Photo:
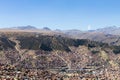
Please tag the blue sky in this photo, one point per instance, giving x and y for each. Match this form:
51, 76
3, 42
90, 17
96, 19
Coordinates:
60, 14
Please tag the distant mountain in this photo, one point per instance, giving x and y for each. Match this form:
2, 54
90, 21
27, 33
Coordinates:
24, 27
46, 28
73, 32
58, 30
110, 35
109, 30
101, 37
113, 30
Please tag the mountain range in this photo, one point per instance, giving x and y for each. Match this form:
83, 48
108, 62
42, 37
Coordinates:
113, 30
110, 35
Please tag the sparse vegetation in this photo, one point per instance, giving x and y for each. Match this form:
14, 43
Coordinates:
116, 50
94, 51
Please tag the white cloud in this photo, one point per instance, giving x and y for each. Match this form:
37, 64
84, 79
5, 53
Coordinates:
89, 27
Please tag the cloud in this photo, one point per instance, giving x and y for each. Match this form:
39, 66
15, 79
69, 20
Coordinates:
89, 27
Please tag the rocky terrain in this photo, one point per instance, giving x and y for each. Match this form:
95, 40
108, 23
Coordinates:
36, 56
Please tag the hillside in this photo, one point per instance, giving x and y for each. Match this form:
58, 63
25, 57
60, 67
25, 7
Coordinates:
26, 50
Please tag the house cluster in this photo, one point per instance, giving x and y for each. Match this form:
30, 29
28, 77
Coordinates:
8, 72
91, 74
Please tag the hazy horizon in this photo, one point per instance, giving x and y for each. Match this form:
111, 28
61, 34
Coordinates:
37, 27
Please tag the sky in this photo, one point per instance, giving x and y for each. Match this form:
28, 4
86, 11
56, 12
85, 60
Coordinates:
60, 14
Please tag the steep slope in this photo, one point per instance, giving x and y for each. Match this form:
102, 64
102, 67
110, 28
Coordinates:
58, 54
6, 44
